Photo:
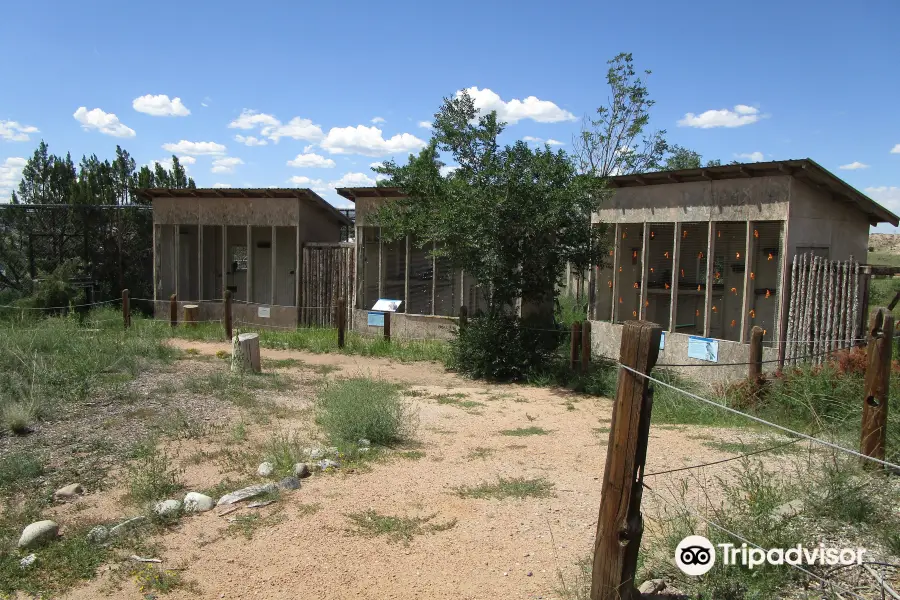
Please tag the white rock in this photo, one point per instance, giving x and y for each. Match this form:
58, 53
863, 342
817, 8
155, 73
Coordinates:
265, 469
789, 509
126, 526
73, 490
363, 443
195, 502
652, 586
98, 534
332, 450
314, 453
38, 533
327, 463
247, 492
27, 561
301, 470
167, 508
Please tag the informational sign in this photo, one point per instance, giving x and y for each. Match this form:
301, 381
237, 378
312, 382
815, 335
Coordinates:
263, 312
376, 319
662, 341
703, 348
384, 305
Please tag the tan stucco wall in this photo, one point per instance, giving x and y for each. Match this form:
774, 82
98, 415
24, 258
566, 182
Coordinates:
230, 211
366, 206
753, 199
408, 327
818, 219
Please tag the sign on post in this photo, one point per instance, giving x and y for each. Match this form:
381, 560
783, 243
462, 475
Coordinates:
703, 348
384, 305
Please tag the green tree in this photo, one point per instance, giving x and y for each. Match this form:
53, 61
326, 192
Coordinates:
682, 158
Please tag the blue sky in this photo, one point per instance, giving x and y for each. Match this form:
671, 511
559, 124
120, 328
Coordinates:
346, 84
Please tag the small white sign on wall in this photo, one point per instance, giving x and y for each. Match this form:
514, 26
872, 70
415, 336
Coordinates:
264, 312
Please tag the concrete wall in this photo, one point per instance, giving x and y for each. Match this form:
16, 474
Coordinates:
407, 326
747, 199
606, 339
818, 219
280, 316
232, 211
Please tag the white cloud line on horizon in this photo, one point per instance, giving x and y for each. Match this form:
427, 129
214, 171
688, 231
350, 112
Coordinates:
741, 115
195, 148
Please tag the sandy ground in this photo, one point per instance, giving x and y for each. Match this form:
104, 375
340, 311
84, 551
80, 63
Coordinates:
498, 549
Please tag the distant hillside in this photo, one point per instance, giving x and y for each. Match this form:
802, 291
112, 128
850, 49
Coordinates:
884, 243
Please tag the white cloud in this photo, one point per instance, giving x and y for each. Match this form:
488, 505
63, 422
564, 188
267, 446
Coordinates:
741, 115
204, 104
368, 141
375, 165
531, 138
166, 163
854, 166
194, 148
751, 156
187, 160
895, 149
272, 128
315, 161
250, 140
378, 120
537, 140
104, 122
316, 185
160, 106
226, 164
542, 111
447, 169
352, 180
221, 185
13, 131
425, 125
888, 197
10, 174
553, 142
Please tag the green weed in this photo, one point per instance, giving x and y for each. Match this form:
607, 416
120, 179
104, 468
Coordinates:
362, 407
397, 529
516, 487
523, 431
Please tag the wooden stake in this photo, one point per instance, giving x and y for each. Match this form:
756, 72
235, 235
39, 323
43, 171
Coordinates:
463, 316
342, 321
878, 377
173, 310
228, 332
574, 343
190, 314
387, 327
126, 309
620, 525
245, 353
585, 346
754, 372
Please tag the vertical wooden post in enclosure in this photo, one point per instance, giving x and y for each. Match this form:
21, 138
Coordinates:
878, 377
463, 316
574, 344
341, 321
126, 309
173, 310
620, 525
754, 371
585, 346
190, 314
227, 316
245, 353
387, 326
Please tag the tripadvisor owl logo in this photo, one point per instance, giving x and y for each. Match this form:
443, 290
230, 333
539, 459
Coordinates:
695, 555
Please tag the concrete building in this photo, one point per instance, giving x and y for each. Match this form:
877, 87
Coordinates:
707, 252
248, 241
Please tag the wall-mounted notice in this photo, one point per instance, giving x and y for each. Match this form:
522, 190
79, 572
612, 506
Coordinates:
263, 312
703, 348
662, 341
376, 319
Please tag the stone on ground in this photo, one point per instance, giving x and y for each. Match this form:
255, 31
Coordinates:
314, 453
265, 469
363, 443
73, 490
652, 586
289, 483
301, 470
195, 502
247, 492
327, 463
167, 508
38, 533
27, 561
98, 534
126, 526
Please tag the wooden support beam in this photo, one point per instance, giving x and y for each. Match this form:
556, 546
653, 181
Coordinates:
574, 345
155, 265
199, 262
617, 247
645, 271
406, 279
225, 264
710, 270
749, 265
754, 370
676, 259
297, 270
249, 275
177, 259
274, 261
380, 265
878, 378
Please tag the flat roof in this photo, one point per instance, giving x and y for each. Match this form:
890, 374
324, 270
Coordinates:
806, 170
352, 194
214, 193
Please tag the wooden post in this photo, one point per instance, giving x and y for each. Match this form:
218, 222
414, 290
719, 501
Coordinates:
620, 525
173, 310
754, 372
708, 280
585, 346
190, 314
387, 326
341, 321
463, 316
126, 309
245, 353
878, 377
228, 333
574, 344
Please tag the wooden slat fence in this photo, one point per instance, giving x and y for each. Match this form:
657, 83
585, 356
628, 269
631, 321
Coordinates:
328, 274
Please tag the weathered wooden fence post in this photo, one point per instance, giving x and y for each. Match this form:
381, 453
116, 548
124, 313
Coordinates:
126, 309
620, 524
754, 370
574, 344
245, 355
173, 310
878, 377
387, 326
585, 346
191, 312
227, 319
342, 321
463, 316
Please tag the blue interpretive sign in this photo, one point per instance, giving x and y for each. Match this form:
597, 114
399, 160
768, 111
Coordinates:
703, 348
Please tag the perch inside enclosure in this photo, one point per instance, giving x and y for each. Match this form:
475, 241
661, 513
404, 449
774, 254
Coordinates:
245, 353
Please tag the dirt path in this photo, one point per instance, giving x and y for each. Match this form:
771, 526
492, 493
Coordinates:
498, 549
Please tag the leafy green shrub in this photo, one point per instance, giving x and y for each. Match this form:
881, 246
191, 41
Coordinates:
152, 477
17, 416
361, 407
502, 347
55, 289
